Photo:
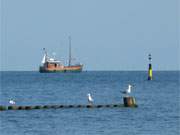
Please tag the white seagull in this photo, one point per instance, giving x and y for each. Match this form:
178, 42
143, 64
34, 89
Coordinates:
90, 99
128, 91
12, 102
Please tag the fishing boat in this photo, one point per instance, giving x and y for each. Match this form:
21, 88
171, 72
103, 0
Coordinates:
51, 65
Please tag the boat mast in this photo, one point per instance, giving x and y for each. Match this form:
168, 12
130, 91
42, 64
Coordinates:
45, 54
70, 51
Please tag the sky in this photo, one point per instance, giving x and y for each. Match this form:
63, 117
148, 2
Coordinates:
106, 34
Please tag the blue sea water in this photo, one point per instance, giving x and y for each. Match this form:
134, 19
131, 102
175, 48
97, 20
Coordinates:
157, 113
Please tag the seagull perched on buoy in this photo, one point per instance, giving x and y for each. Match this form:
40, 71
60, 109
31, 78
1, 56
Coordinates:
128, 91
90, 99
12, 102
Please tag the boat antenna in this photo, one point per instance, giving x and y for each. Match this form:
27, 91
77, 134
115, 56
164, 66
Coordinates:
45, 52
69, 50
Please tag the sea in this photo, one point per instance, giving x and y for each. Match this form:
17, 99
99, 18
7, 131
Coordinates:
158, 111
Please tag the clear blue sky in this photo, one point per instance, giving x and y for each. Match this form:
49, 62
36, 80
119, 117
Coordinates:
106, 34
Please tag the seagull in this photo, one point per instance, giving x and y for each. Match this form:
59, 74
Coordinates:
12, 102
90, 99
128, 91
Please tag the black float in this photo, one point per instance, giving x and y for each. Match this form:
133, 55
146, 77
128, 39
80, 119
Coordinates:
128, 102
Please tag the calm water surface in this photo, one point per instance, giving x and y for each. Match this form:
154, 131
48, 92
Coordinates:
157, 114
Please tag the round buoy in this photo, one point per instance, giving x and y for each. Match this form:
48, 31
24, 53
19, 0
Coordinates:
21, 107
71, 106
46, 107
79, 106
12, 107
107, 105
53, 106
28, 107
99, 106
2, 108
38, 107
89, 106
61, 106
115, 105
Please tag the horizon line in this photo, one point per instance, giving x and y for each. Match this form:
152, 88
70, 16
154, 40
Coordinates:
85, 70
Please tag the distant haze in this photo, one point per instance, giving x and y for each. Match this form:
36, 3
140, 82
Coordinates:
106, 34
